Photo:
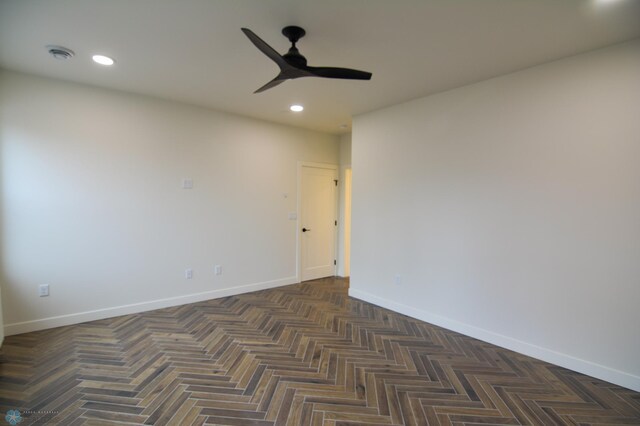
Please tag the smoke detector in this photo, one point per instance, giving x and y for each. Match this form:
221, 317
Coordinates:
59, 52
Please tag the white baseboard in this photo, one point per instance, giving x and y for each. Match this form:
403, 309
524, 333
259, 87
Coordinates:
589, 368
98, 314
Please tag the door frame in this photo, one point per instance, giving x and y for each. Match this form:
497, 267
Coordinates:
346, 233
330, 166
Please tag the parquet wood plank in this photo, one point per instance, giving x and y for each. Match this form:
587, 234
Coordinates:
304, 354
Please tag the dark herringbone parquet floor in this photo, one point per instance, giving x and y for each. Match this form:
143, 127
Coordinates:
304, 354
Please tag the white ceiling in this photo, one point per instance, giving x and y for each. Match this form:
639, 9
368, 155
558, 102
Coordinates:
193, 50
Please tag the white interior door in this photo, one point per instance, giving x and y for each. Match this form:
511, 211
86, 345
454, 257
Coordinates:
318, 222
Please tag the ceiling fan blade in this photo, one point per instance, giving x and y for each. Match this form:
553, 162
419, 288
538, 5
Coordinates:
273, 83
346, 73
266, 49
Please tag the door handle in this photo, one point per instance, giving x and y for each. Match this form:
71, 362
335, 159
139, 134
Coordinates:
305, 230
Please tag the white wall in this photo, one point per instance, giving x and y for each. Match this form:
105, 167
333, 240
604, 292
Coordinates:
343, 243
1, 321
92, 202
511, 211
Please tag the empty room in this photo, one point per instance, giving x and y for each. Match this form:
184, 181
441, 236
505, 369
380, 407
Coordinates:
296, 212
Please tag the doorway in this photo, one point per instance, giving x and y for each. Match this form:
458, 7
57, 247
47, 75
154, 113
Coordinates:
318, 223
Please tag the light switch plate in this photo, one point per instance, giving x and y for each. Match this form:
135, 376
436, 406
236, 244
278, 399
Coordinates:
43, 290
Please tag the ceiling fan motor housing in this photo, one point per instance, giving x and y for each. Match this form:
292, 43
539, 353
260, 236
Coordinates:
293, 56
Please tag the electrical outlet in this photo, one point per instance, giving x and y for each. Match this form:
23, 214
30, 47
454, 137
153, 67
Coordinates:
187, 183
43, 290
188, 273
217, 270
397, 279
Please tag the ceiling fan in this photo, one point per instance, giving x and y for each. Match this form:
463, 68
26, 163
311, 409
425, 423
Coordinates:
293, 65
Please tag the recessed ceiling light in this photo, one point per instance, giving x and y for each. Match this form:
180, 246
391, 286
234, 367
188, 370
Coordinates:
296, 108
102, 60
